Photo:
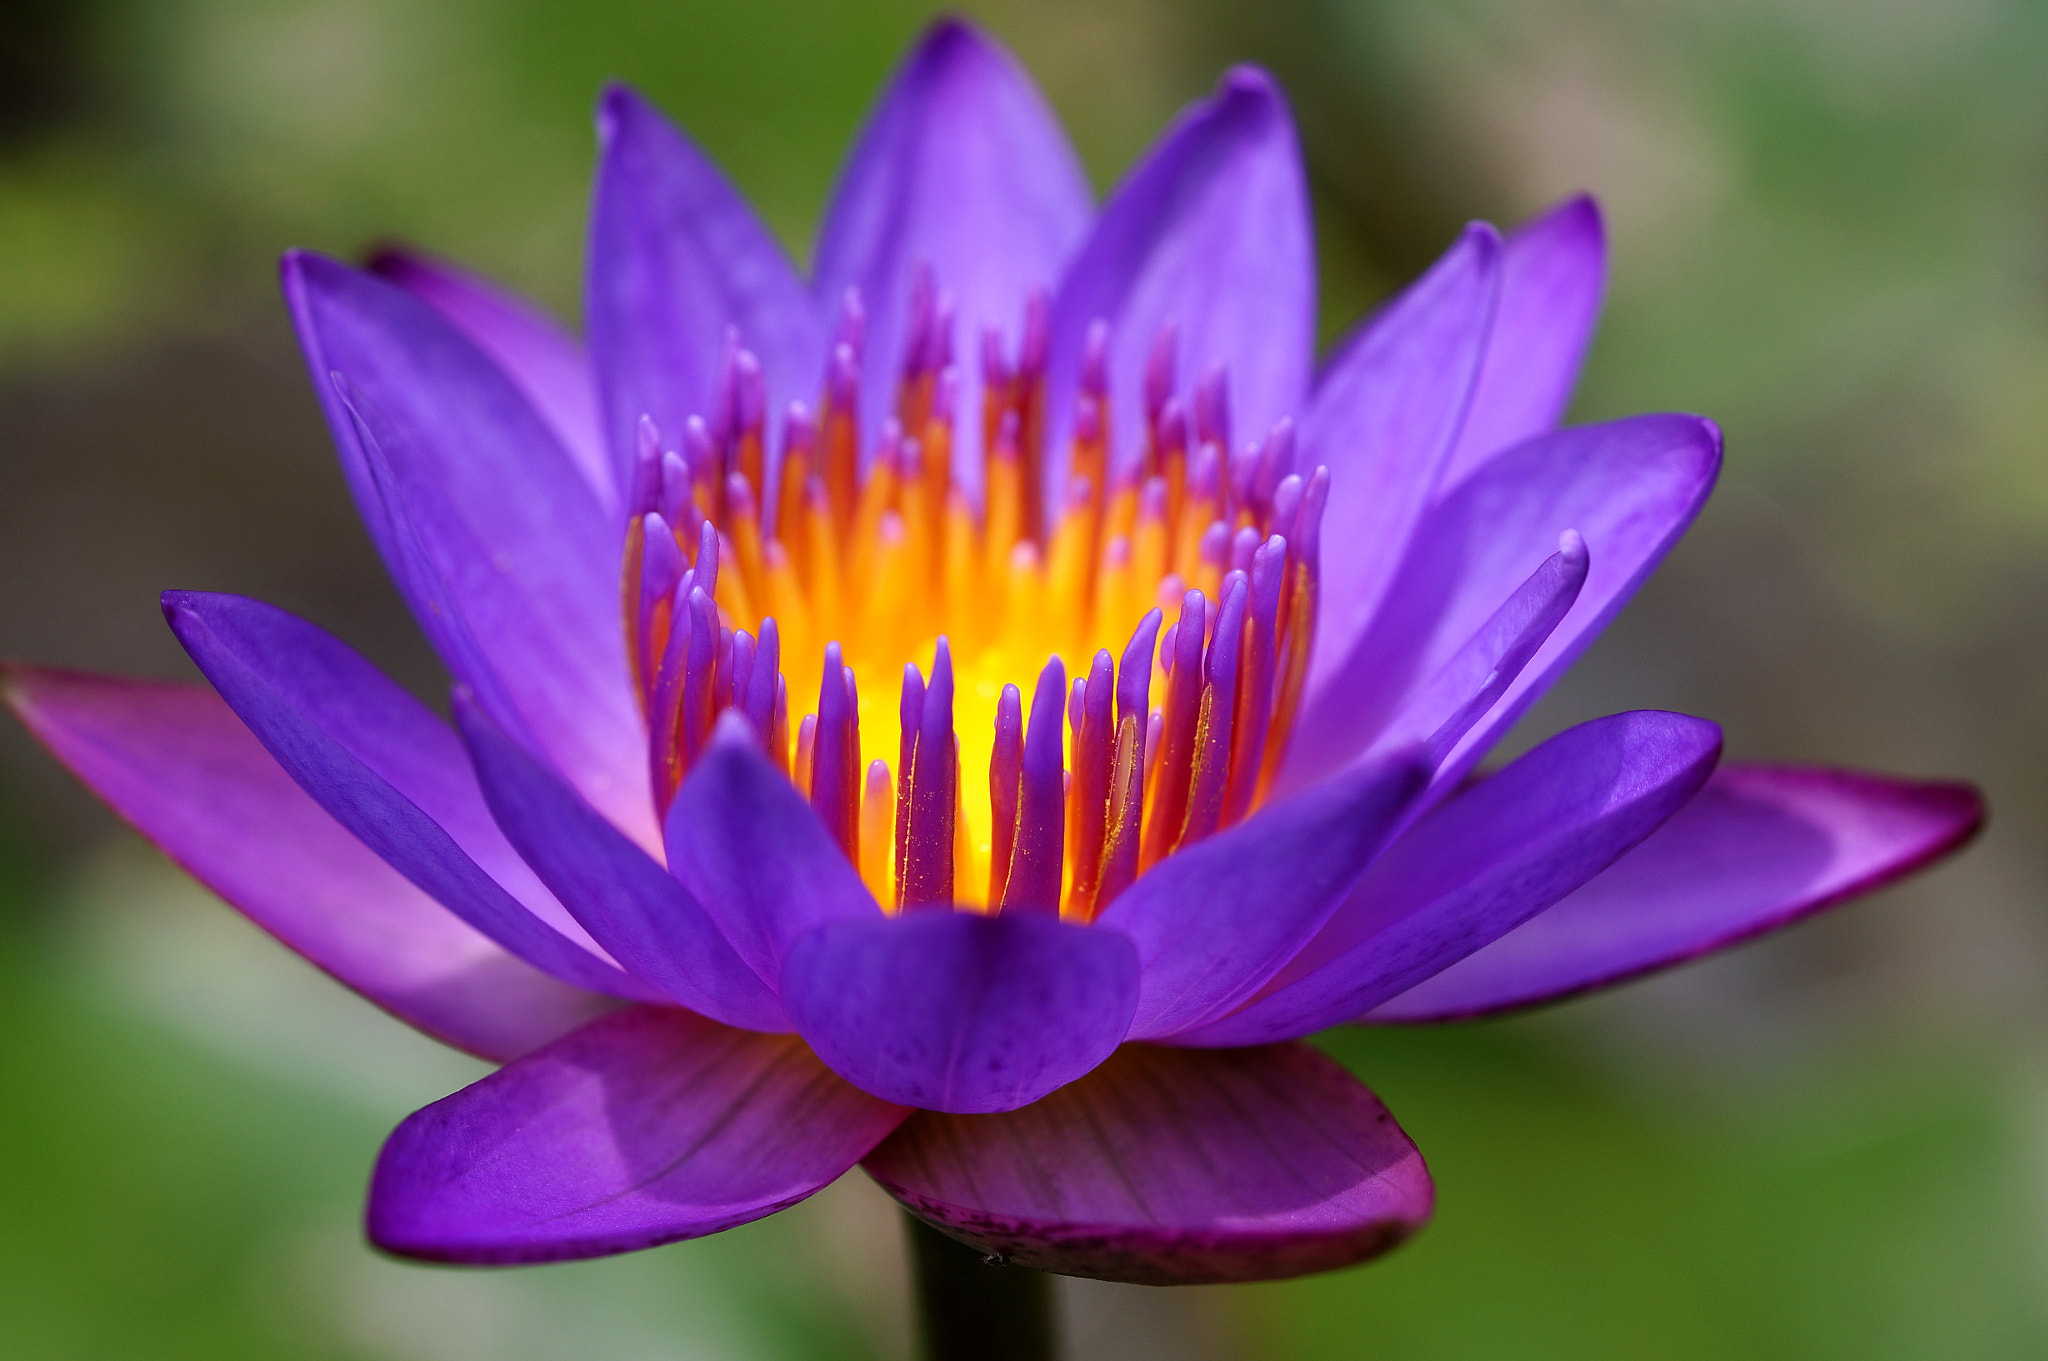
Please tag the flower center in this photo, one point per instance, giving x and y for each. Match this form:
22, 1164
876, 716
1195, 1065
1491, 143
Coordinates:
1177, 589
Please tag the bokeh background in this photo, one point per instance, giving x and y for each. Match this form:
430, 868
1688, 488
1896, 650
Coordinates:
1830, 232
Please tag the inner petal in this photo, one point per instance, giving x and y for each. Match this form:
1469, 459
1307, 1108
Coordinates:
828, 591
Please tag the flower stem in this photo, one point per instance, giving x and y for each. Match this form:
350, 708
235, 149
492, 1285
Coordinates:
974, 1307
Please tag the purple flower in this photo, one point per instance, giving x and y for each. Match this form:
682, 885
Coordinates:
724, 949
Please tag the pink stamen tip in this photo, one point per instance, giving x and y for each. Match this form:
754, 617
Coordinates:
739, 496
1035, 345
1171, 429
928, 855
646, 489
675, 487
842, 377
758, 699
1095, 358
707, 558
1287, 504
1036, 861
939, 340
750, 392
699, 452
835, 755
995, 366
851, 328
1244, 545
1212, 407
1159, 370
1088, 427
1005, 787
799, 429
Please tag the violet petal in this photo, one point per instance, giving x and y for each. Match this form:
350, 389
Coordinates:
1386, 412
1172, 1167
1213, 922
631, 906
1629, 487
388, 770
1554, 270
961, 168
677, 260
507, 531
540, 357
648, 1126
742, 839
1481, 865
174, 761
1210, 232
1759, 848
958, 1011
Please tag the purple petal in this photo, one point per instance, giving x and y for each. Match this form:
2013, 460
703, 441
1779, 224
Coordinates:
1555, 269
642, 1128
632, 906
962, 168
1630, 488
185, 772
1213, 922
497, 541
1210, 231
1385, 414
1172, 1167
543, 360
756, 856
1481, 865
677, 259
956, 1011
389, 771
1759, 848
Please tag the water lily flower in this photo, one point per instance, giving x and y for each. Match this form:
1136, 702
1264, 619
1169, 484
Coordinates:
970, 713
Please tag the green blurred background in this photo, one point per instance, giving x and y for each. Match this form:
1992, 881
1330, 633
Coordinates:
1830, 232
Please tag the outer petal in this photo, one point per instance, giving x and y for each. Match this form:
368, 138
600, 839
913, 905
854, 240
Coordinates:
956, 1011
1556, 271
1759, 848
1210, 231
632, 906
1385, 414
1172, 1167
185, 772
677, 259
961, 168
1630, 488
749, 847
1215, 921
494, 537
645, 1127
388, 770
543, 361
1481, 865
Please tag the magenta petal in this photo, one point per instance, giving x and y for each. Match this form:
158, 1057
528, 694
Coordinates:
543, 361
753, 852
960, 1012
177, 764
962, 168
678, 259
642, 1128
1481, 865
389, 771
1630, 488
1759, 848
1555, 272
496, 540
1215, 921
1172, 1167
1211, 232
630, 905
1386, 411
